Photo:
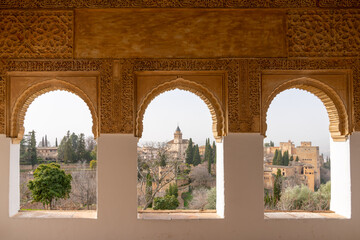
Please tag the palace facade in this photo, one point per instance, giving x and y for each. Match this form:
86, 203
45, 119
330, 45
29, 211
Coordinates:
236, 55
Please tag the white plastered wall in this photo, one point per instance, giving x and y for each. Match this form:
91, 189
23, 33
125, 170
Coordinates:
340, 178
220, 201
244, 219
14, 179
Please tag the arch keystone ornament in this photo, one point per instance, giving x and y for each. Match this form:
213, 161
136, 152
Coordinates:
24, 87
216, 107
332, 88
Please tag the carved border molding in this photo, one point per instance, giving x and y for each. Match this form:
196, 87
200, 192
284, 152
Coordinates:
339, 3
157, 4
256, 66
16, 113
127, 81
217, 110
244, 78
104, 67
340, 115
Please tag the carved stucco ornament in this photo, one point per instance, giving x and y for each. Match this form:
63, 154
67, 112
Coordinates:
20, 98
213, 103
340, 126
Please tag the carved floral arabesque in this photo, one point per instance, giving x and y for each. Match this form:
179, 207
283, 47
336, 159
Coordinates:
36, 34
229, 65
117, 96
339, 3
313, 64
157, 3
319, 33
107, 119
213, 103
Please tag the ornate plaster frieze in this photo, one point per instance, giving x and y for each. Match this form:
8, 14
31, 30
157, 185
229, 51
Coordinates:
210, 86
323, 33
20, 95
36, 34
333, 88
157, 4
117, 84
339, 3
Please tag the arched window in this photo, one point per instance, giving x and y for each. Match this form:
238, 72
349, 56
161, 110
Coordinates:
303, 137
178, 158
57, 132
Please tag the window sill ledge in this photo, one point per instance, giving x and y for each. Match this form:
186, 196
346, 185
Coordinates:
302, 215
81, 214
177, 214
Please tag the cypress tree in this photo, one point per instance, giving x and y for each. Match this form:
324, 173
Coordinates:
172, 190
286, 158
275, 158
80, 151
297, 159
67, 148
207, 153
189, 153
214, 152
277, 186
279, 159
23, 149
196, 159
32, 149
148, 191
209, 165
162, 160
56, 143
291, 158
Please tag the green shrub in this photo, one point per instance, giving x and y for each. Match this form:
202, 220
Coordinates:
93, 164
211, 198
298, 197
187, 197
166, 203
323, 196
172, 190
50, 183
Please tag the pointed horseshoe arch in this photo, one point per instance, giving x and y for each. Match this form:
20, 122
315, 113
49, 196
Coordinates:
339, 126
216, 111
30, 94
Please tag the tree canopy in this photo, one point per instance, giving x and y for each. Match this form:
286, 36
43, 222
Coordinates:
189, 153
50, 183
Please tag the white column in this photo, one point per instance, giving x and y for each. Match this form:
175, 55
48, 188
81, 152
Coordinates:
117, 176
244, 188
220, 198
340, 178
14, 191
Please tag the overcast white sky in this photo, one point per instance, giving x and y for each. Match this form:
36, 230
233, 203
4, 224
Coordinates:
298, 116
54, 113
177, 107
293, 115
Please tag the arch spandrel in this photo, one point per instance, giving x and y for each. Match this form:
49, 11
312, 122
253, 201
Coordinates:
217, 110
339, 113
20, 97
